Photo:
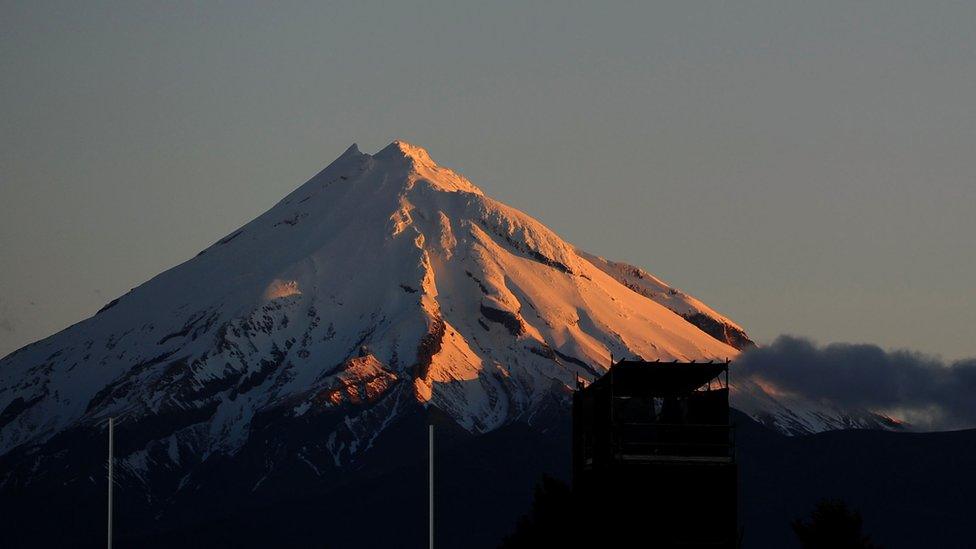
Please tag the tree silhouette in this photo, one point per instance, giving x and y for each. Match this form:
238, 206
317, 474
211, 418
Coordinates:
832, 526
550, 522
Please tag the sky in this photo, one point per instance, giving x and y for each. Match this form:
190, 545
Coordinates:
803, 167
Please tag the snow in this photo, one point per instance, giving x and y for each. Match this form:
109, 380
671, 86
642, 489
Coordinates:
281, 288
655, 288
384, 277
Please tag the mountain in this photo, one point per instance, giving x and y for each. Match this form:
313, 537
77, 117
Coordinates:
287, 354
385, 278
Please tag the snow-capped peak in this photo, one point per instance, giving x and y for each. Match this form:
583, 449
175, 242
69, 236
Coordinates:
401, 149
351, 151
384, 280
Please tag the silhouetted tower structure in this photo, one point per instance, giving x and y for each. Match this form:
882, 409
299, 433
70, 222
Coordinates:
654, 454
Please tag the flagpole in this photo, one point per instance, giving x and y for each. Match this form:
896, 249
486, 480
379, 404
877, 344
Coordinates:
430, 431
111, 460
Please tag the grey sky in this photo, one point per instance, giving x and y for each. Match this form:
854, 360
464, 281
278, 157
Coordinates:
803, 167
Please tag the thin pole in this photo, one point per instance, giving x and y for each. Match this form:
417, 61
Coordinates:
430, 502
111, 460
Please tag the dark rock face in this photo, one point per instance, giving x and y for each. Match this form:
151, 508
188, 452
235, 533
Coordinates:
429, 346
16, 406
730, 335
511, 321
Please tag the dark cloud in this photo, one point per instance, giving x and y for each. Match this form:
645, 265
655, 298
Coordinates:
924, 389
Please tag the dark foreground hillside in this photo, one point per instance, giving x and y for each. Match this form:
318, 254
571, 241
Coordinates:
913, 490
